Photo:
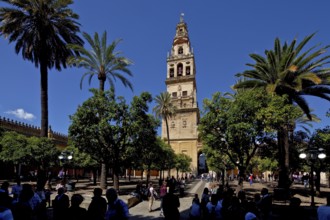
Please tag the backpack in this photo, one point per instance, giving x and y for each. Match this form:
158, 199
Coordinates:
148, 193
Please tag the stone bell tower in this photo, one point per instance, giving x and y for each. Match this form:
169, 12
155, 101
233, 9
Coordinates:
181, 84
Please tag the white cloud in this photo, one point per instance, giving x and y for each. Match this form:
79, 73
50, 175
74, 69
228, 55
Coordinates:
21, 114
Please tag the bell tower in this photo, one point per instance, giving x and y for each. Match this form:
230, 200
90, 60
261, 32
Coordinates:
181, 84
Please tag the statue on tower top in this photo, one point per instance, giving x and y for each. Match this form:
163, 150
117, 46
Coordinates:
181, 17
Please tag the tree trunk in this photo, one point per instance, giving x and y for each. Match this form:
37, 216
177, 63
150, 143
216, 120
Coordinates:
44, 98
223, 176
283, 150
116, 179
94, 176
103, 181
41, 178
167, 131
148, 176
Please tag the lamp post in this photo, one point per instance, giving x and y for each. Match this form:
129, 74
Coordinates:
65, 157
312, 154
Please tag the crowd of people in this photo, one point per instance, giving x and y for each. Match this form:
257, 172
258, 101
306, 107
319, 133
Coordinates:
25, 201
30, 203
225, 204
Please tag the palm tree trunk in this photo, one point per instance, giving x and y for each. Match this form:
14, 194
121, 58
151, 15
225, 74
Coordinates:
283, 149
167, 131
44, 98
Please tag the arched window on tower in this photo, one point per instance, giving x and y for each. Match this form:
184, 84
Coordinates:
172, 72
188, 70
180, 69
180, 50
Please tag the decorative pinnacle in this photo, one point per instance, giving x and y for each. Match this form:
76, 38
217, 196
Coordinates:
181, 17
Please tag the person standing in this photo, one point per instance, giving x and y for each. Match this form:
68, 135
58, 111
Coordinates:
265, 204
16, 189
98, 206
75, 212
117, 208
251, 179
61, 205
323, 212
195, 212
171, 204
162, 193
5, 212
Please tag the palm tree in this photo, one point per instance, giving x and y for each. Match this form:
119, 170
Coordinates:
288, 70
41, 29
104, 62
165, 109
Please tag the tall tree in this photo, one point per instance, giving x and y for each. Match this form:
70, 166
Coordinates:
165, 109
231, 126
144, 142
100, 127
102, 60
41, 29
294, 71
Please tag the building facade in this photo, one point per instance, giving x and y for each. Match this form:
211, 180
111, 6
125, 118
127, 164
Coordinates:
181, 84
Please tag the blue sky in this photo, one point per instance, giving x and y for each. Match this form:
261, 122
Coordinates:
222, 34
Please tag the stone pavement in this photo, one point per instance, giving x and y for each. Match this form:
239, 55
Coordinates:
140, 211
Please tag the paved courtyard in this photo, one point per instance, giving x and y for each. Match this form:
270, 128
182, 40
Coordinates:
140, 211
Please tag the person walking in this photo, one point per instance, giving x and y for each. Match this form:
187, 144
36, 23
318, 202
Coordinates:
151, 196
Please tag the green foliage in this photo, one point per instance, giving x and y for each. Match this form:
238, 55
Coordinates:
81, 159
321, 140
42, 151
291, 70
144, 145
14, 148
165, 109
215, 160
41, 30
100, 127
166, 156
182, 162
19, 149
230, 127
101, 61
114, 133
266, 164
278, 113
